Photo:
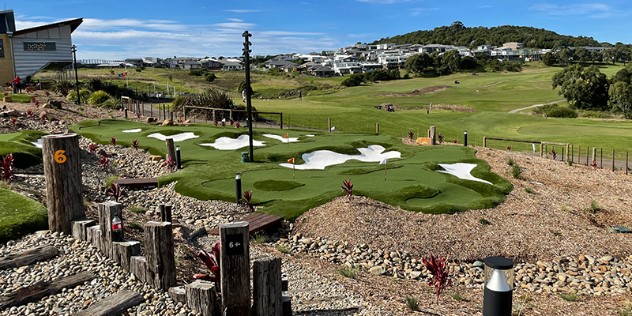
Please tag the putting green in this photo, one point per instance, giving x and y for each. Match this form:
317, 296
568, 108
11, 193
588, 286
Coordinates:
410, 182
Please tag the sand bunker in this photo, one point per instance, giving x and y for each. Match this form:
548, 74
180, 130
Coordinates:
227, 143
136, 130
321, 159
282, 139
176, 138
461, 171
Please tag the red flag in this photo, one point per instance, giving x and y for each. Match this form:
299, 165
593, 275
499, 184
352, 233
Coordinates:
291, 160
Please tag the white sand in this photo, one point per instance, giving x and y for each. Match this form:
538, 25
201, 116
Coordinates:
323, 158
461, 171
136, 130
310, 135
176, 138
282, 139
38, 143
227, 143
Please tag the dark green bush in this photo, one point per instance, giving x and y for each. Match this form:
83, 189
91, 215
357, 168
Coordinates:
562, 112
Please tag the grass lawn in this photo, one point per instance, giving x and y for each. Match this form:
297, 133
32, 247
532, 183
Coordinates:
24, 153
411, 182
19, 215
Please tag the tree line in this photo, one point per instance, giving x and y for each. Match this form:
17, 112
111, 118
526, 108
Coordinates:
460, 35
564, 56
587, 88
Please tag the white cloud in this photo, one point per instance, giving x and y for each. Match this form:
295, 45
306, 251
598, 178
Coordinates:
422, 11
242, 11
592, 10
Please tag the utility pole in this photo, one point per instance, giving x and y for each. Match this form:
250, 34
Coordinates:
74, 65
247, 52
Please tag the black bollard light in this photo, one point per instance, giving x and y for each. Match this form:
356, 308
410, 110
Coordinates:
178, 161
238, 187
499, 283
465, 138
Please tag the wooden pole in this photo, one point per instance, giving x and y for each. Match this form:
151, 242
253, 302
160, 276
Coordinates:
64, 191
626, 162
171, 149
377, 128
202, 297
579, 154
484, 142
587, 154
281, 119
541, 149
329, 124
267, 290
107, 211
235, 271
600, 158
160, 254
613, 160
433, 135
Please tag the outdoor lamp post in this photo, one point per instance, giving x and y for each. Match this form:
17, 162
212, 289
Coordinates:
74, 65
499, 283
178, 160
248, 88
238, 187
465, 138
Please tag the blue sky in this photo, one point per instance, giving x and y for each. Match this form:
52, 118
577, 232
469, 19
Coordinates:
114, 29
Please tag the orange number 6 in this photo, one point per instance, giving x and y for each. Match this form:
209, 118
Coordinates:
60, 156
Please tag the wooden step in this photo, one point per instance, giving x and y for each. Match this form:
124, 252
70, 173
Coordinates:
138, 183
27, 257
257, 222
114, 305
41, 289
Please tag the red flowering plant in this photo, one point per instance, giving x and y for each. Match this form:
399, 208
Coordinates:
93, 148
115, 191
170, 163
135, 144
248, 199
14, 121
113, 141
438, 267
411, 135
347, 188
6, 168
104, 162
211, 260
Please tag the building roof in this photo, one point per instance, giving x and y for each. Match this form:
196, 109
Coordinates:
74, 24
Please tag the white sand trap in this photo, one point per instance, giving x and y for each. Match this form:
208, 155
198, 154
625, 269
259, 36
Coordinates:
38, 143
310, 135
282, 139
227, 143
321, 159
461, 171
176, 138
136, 130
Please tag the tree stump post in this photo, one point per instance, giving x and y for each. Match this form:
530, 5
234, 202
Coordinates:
171, 149
433, 135
159, 250
64, 191
267, 287
202, 297
122, 253
79, 229
235, 271
107, 211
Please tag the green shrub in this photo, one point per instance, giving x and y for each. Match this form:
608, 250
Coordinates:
210, 77
412, 303
260, 238
529, 190
484, 221
348, 272
510, 162
570, 297
98, 97
283, 249
516, 171
562, 112
353, 80
459, 297
83, 93
136, 209
594, 207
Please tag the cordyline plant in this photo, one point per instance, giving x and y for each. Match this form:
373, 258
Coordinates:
115, 191
6, 169
92, 147
440, 138
553, 154
212, 263
29, 113
14, 121
438, 267
113, 141
248, 199
411, 135
104, 162
170, 163
135, 144
347, 188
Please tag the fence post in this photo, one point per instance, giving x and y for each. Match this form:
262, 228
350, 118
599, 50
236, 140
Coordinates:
541, 149
171, 150
485, 141
433, 135
160, 254
281, 119
107, 211
329, 124
626, 162
600, 158
202, 297
64, 191
267, 289
235, 271
613, 160
377, 128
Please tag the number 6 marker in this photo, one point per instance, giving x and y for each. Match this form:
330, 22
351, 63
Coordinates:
60, 156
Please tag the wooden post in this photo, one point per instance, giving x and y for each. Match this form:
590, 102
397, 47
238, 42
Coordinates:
329, 124
484, 141
572, 153
541, 149
235, 271
160, 254
281, 119
579, 154
202, 297
377, 128
171, 149
267, 289
122, 253
64, 191
230, 115
613, 160
433, 135
600, 158
79, 229
587, 155
107, 211
165, 213
594, 154
151, 110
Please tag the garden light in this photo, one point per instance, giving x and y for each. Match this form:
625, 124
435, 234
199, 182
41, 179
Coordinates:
499, 277
178, 160
238, 187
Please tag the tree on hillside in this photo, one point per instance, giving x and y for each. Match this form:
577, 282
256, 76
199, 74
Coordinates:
549, 59
422, 64
621, 91
583, 87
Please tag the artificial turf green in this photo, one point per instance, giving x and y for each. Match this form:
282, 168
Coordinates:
19, 215
19, 144
410, 182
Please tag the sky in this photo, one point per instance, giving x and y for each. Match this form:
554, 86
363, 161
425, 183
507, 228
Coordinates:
114, 29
